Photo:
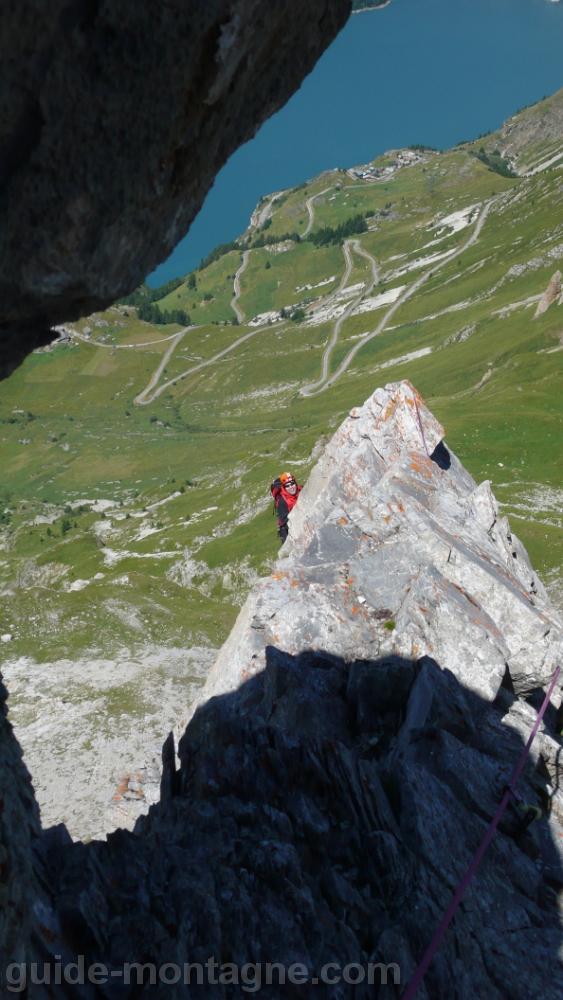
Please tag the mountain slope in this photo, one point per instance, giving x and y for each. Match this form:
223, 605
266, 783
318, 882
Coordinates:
138, 457
533, 138
348, 755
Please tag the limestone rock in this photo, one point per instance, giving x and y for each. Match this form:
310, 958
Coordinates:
134, 795
382, 533
116, 118
552, 292
339, 773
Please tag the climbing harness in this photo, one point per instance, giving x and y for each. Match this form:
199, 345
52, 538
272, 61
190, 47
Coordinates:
421, 430
509, 794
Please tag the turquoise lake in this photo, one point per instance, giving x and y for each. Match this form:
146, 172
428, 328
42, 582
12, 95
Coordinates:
430, 71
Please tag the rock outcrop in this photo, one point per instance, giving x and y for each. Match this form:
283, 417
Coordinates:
116, 118
351, 745
537, 128
393, 552
551, 294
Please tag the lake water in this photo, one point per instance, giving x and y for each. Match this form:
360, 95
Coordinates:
430, 71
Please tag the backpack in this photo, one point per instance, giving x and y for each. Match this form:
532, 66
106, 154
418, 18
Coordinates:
275, 490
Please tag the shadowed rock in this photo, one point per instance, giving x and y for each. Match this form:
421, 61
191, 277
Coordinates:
338, 773
116, 118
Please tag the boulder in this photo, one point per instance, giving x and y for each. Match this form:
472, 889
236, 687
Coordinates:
552, 292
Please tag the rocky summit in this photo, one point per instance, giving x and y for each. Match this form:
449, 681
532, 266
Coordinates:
394, 550
349, 749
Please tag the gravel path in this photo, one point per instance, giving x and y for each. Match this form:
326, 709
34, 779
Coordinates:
324, 382
311, 210
234, 303
315, 387
141, 399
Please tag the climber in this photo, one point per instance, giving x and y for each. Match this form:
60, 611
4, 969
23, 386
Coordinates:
285, 492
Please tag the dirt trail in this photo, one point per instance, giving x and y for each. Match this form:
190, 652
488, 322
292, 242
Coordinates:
259, 216
310, 390
343, 282
148, 395
311, 211
234, 303
324, 382
140, 400
123, 347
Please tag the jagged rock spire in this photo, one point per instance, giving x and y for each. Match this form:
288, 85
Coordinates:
393, 548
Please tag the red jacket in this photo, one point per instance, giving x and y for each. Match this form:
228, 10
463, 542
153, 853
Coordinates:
289, 499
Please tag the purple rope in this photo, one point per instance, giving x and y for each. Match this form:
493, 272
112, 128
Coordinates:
421, 430
416, 980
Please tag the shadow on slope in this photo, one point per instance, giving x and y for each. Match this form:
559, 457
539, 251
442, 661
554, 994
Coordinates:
325, 813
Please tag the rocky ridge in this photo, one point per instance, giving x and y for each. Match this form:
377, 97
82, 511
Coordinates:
350, 747
393, 552
532, 137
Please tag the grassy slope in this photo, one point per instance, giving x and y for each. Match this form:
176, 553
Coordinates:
177, 573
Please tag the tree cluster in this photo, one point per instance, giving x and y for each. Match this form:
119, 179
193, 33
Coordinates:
144, 294
269, 241
219, 251
152, 313
496, 162
353, 226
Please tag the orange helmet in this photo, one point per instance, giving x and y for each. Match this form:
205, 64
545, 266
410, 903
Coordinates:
286, 477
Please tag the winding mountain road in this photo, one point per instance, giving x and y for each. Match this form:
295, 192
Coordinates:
311, 211
140, 399
343, 282
150, 393
310, 390
143, 400
234, 301
259, 217
124, 347
324, 382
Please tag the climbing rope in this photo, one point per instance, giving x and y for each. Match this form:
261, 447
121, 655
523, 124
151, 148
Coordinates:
510, 793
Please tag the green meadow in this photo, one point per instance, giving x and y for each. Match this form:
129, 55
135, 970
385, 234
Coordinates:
127, 521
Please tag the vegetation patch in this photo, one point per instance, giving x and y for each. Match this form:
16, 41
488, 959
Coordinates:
351, 227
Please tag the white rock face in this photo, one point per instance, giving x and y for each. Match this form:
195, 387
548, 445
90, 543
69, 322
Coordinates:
393, 551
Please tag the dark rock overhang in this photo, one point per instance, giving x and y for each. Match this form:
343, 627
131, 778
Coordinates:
114, 120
